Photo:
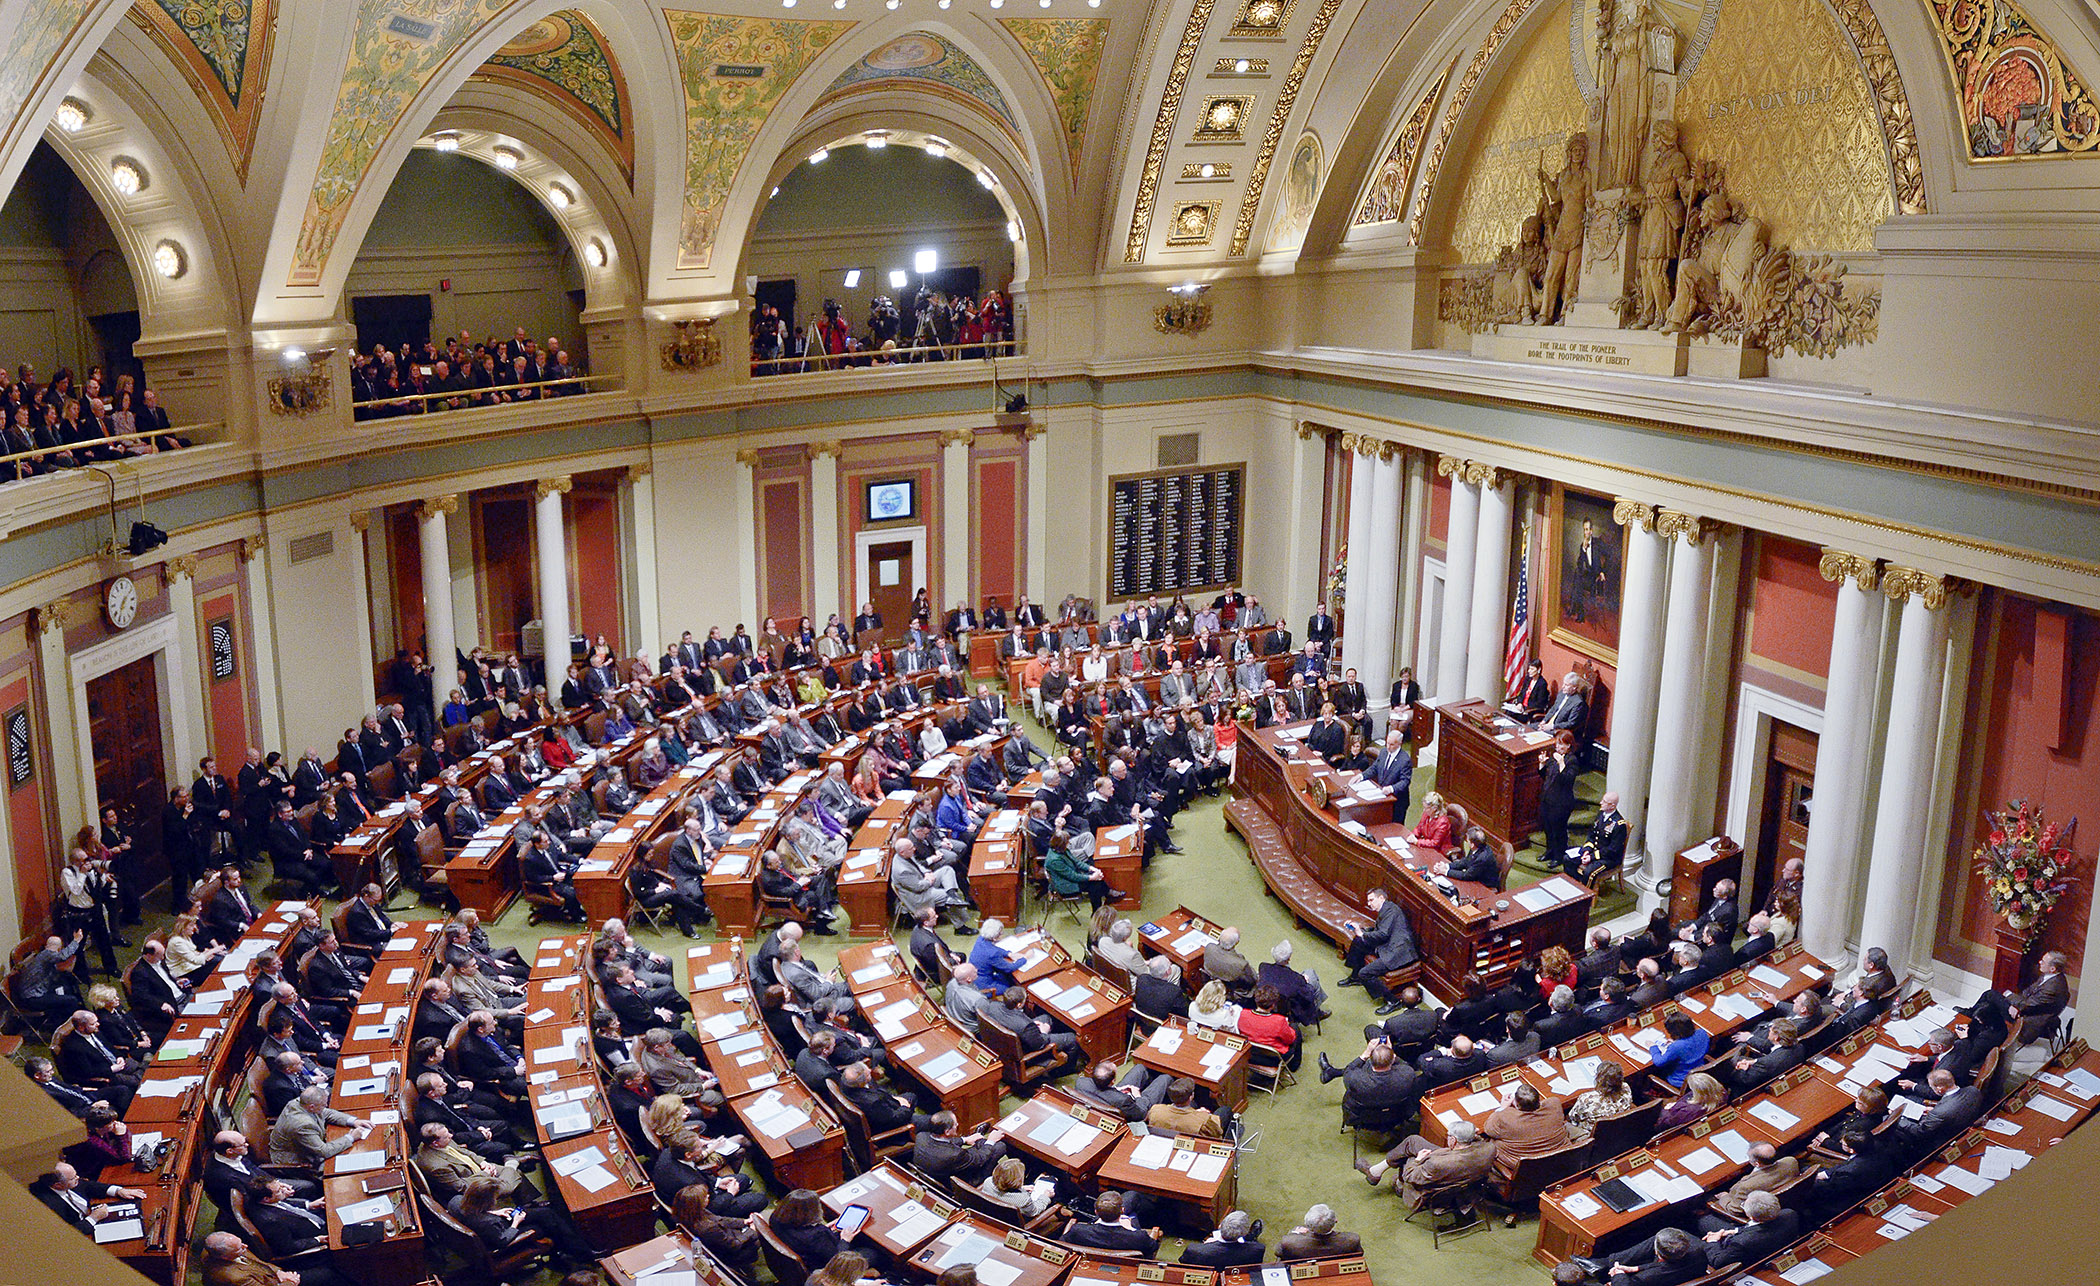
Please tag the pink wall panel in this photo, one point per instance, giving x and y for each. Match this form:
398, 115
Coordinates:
1794, 607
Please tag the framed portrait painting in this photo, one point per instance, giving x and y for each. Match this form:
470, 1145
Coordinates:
1587, 555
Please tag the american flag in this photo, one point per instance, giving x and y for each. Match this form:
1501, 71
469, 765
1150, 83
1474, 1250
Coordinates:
1519, 650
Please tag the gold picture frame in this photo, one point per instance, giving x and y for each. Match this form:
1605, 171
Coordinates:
1580, 598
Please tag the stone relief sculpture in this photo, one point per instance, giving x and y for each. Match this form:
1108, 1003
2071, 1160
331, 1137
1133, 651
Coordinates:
1564, 206
1666, 185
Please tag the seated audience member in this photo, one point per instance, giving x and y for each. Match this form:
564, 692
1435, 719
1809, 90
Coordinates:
1303, 997
1233, 1245
67, 1195
1609, 1097
1769, 1170
1009, 1186
1527, 1125
448, 1167
1112, 1228
1750, 1069
1316, 1238
1119, 950
800, 1224
1133, 1097
1686, 1050
1463, 1060
733, 1241
1180, 1115
1423, 1167
300, 1136
1702, 1095
1377, 1087
1266, 1027
941, 1150
1157, 989
1669, 1257
1386, 945
70, 1097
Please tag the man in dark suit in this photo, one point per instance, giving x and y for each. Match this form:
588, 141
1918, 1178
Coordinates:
70, 1097
1464, 1061
295, 1231
365, 920
1564, 1019
214, 796
1722, 911
1111, 1229
231, 1165
2037, 1008
1610, 1006
1601, 961
287, 1080
435, 1103
1759, 943
1233, 1245
939, 1151
291, 856
1413, 1025
1650, 987
1668, 1258
1303, 1001
1388, 944
1393, 768
1158, 991
67, 1195
1319, 628
87, 1061
1570, 712
1376, 1086
1956, 1108
1750, 1069
231, 910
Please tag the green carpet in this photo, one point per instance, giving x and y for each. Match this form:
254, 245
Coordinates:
1299, 1154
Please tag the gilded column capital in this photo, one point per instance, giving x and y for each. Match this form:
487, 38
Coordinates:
1486, 476
1307, 431
1935, 591
818, 450
1627, 513
1034, 429
1349, 443
546, 487
638, 471
748, 457
1836, 565
1388, 450
431, 508
361, 521
58, 614
1673, 523
183, 565
1450, 466
253, 545
957, 437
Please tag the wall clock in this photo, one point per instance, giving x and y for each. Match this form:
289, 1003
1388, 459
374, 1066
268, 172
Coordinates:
121, 602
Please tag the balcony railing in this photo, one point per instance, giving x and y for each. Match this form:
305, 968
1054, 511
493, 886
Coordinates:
465, 399
868, 359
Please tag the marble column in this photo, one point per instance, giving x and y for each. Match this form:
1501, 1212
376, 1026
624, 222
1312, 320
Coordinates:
1037, 583
550, 536
1375, 670
1414, 529
438, 635
73, 796
824, 531
262, 636
745, 497
190, 664
1837, 815
1356, 589
1896, 867
957, 537
1461, 532
1488, 633
1672, 788
638, 514
1640, 666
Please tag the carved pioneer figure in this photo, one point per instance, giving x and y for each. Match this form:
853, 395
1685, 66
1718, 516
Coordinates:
1727, 247
1665, 187
1566, 205
1517, 272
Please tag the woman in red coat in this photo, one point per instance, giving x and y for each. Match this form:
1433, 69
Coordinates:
1437, 829
1263, 1025
556, 750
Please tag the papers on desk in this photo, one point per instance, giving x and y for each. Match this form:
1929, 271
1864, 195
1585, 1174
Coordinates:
170, 1088
174, 1051
1049, 1130
1192, 941
1999, 1163
2082, 1084
1735, 1006
1690, 1005
1153, 1152
1581, 1073
2053, 1107
1701, 1160
1480, 1104
619, 835
1769, 976
1967, 1180
1216, 1059
369, 1208
775, 1117
896, 1011
1732, 1145
938, 1067
721, 974
1535, 898
1804, 1272
575, 1161
738, 1044
386, 1116
1999, 1125
352, 1162
1651, 1187
373, 1031
1166, 1040
398, 977
1078, 1138
553, 1054
1206, 1169
1774, 1115
1634, 1052
1581, 1205
118, 1230
402, 944
723, 1026
871, 973
965, 1246
360, 1088
566, 1120
594, 1178
912, 1223
205, 1005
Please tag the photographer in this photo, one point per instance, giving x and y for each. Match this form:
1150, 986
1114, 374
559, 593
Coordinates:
89, 890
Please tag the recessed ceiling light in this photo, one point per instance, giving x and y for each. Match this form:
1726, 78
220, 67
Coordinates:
889, 4
1241, 66
852, 278
594, 252
817, 157
986, 181
507, 158
293, 356
878, 140
1013, 230
446, 142
169, 260
787, 4
559, 197
775, 192
934, 149
1208, 171
71, 116
126, 177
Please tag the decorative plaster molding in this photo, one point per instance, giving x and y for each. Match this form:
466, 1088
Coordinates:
1307, 431
818, 450
1673, 523
1163, 130
748, 457
361, 520
546, 487
183, 565
431, 508
253, 545
1625, 512
59, 614
957, 437
1899, 583
1836, 565
1033, 430
637, 472
1349, 441
1286, 99
1484, 475
1388, 449
1450, 466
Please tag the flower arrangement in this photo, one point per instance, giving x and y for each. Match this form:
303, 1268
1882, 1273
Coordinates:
2025, 863
1338, 581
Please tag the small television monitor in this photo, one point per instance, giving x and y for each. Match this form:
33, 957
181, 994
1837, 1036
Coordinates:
892, 500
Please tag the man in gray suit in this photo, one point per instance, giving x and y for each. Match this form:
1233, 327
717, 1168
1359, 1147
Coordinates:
300, 1137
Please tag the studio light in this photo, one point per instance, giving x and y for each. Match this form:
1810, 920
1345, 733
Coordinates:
898, 277
852, 278
925, 261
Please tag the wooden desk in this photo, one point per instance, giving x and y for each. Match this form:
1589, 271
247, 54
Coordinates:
1119, 851
1190, 1051
1322, 870
898, 1012
1181, 936
1088, 1270
485, 874
1034, 1262
1092, 1007
1197, 1181
623, 1210
1695, 872
969, 1088
731, 888
997, 861
903, 1214
395, 1257
674, 1251
1348, 1271
864, 891
802, 1144
1040, 954
874, 967
601, 878
1490, 767
1077, 1149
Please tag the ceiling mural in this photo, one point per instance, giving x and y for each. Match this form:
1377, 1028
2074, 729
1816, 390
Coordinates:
1434, 159
932, 63
223, 49
2019, 98
564, 59
734, 72
1067, 51
39, 34
398, 46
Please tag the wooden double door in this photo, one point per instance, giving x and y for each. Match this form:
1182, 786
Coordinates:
131, 770
1790, 785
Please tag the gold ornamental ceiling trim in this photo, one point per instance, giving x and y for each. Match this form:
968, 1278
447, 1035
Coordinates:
1505, 24
1899, 130
1286, 99
1163, 130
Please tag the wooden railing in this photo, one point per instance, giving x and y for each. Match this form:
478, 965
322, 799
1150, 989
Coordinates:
467, 398
8, 463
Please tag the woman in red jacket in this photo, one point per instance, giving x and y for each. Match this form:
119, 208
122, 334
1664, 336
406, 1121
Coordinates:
1437, 829
1263, 1025
1556, 969
556, 750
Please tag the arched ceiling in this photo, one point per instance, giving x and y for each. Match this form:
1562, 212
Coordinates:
1156, 137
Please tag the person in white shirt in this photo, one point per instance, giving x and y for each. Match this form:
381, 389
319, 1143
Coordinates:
1211, 1009
1118, 949
1095, 667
